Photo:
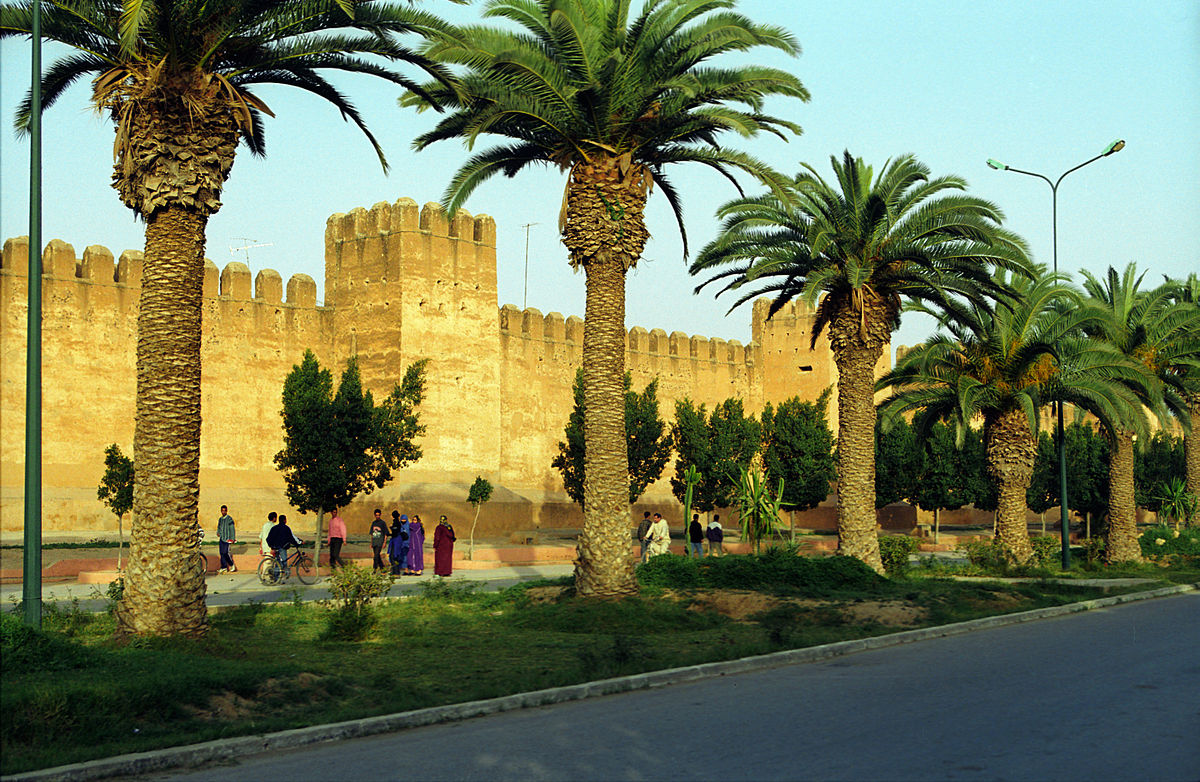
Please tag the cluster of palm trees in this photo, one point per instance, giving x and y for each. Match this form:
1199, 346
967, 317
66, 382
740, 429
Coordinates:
610, 97
1121, 353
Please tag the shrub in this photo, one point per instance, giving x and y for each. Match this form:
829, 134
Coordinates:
985, 554
355, 587
1162, 541
895, 550
1047, 550
670, 570
777, 570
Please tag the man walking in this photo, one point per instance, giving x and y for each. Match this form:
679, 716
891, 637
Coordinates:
715, 536
225, 536
696, 537
660, 536
379, 533
642, 530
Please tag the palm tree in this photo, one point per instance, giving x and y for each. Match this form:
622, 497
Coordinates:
1004, 366
862, 246
176, 78
612, 103
1187, 292
1160, 334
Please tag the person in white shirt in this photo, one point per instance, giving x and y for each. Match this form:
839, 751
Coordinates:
660, 536
262, 536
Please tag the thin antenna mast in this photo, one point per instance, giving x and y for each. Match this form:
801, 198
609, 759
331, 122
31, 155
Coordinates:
525, 293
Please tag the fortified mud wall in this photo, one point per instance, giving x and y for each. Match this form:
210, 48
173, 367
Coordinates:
402, 283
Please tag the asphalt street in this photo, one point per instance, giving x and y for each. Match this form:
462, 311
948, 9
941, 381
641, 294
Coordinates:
1109, 694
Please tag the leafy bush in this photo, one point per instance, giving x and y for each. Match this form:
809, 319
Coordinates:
775, 570
1047, 550
448, 591
26, 649
985, 554
1162, 541
894, 550
355, 587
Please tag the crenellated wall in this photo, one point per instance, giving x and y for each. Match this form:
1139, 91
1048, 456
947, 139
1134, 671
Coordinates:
402, 283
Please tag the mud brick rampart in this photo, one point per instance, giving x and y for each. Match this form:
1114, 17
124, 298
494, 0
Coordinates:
402, 283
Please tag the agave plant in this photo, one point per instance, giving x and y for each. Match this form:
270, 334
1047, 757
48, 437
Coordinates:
758, 505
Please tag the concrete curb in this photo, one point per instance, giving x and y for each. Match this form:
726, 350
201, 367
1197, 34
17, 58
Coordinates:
225, 750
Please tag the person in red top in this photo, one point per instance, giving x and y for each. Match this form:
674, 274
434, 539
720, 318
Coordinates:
443, 548
335, 539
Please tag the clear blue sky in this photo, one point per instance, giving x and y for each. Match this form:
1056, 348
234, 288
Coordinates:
1039, 85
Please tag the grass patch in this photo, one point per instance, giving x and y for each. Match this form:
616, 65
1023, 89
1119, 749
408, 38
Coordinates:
72, 692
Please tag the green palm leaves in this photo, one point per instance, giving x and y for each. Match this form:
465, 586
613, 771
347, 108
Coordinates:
901, 235
1002, 366
229, 45
856, 248
581, 80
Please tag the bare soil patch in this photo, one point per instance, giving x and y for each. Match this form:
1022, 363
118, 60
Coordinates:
744, 606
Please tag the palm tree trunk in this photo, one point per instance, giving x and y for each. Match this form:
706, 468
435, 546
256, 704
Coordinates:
856, 358
1191, 446
164, 594
605, 233
1120, 537
1011, 452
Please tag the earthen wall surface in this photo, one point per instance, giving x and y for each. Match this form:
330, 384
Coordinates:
402, 283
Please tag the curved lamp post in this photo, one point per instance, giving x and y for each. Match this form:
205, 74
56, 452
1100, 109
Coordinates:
1116, 146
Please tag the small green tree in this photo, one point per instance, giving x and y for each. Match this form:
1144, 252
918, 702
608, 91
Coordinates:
1156, 461
897, 461
646, 437
797, 449
116, 489
480, 492
720, 446
339, 446
943, 482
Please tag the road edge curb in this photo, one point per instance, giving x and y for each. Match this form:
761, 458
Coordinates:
225, 750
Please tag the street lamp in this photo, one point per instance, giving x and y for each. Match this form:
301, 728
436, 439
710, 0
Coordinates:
1112, 148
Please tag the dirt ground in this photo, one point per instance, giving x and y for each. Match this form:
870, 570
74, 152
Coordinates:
744, 605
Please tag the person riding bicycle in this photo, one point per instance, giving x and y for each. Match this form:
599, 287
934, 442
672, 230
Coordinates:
279, 538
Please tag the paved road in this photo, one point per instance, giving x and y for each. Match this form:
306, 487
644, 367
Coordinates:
1112, 694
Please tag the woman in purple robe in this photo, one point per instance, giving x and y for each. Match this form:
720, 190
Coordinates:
416, 546
443, 548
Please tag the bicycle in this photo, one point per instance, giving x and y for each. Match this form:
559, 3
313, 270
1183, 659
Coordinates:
298, 562
198, 559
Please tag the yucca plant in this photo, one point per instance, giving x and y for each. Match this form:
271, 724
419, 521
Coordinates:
1178, 504
758, 506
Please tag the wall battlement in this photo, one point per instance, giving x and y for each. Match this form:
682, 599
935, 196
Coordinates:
402, 283
96, 267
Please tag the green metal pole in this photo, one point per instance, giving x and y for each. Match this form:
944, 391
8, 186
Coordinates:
31, 578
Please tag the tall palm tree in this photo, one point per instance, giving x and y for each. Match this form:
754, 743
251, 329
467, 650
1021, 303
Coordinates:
1004, 365
862, 245
1187, 291
176, 77
612, 102
1160, 334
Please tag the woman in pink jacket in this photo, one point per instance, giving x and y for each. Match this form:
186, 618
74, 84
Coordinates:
337, 536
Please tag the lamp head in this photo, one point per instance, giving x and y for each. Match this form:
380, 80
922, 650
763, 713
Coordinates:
996, 164
1116, 146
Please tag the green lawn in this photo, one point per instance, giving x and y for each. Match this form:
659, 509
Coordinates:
74, 692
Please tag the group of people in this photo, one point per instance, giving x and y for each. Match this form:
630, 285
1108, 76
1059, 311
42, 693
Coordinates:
654, 535
405, 544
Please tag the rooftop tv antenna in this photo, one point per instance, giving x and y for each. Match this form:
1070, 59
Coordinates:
246, 248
